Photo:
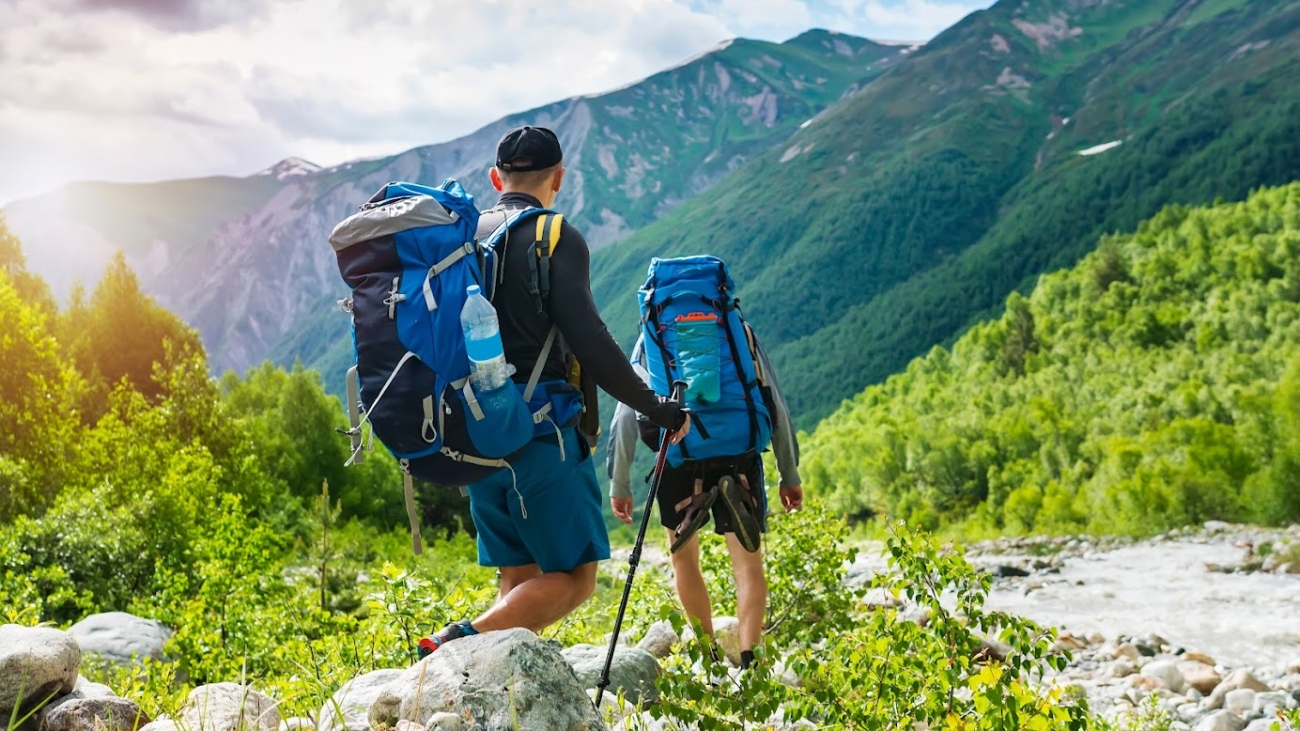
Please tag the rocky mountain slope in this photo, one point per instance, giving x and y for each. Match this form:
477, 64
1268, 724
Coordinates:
1002, 149
253, 271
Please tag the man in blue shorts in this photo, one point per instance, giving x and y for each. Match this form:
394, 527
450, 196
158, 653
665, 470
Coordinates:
540, 522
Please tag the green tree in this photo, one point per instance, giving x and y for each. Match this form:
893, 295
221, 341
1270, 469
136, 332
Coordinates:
13, 262
36, 387
121, 333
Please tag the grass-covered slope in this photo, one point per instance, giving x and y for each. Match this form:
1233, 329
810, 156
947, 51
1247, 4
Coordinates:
1157, 383
910, 211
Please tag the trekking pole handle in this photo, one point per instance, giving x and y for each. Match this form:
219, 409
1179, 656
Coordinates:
678, 391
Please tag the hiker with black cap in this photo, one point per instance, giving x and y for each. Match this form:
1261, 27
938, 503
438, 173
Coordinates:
737, 409
541, 522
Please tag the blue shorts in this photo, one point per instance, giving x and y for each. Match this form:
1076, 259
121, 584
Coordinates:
546, 512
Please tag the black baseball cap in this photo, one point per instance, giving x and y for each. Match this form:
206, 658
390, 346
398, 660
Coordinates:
528, 148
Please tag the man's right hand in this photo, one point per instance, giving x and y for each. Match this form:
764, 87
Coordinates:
680, 434
622, 507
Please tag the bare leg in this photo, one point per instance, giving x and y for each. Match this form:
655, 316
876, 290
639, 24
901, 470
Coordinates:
536, 600
690, 582
751, 591
512, 576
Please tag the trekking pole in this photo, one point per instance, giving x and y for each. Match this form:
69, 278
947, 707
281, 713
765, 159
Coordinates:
661, 459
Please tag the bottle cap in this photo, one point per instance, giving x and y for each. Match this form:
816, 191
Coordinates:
472, 290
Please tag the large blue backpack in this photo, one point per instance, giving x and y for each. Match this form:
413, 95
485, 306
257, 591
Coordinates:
408, 255
693, 332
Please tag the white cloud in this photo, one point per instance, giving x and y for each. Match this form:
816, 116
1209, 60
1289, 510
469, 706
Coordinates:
141, 90
901, 19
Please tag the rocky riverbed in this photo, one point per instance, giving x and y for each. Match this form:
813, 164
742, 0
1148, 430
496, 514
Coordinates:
1206, 620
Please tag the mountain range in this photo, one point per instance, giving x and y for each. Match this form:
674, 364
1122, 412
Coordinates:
245, 260
873, 200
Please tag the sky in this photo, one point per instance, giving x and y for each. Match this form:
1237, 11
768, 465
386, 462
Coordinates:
140, 90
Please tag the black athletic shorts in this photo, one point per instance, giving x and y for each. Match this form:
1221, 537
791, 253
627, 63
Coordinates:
679, 484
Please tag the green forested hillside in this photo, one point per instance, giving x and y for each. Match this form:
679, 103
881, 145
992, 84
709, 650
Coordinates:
911, 210
1155, 384
121, 457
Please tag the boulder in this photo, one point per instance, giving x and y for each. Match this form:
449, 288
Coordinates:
632, 672
1129, 651
37, 665
495, 680
1240, 701
1271, 702
1167, 672
1199, 675
1122, 668
1244, 679
1236, 680
726, 633
438, 722
103, 713
228, 707
353, 701
121, 638
1221, 721
659, 639
86, 689
297, 723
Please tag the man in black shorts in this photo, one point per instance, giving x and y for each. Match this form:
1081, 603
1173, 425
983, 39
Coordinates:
678, 486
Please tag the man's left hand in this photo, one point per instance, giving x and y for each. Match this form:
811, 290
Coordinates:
792, 497
622, 507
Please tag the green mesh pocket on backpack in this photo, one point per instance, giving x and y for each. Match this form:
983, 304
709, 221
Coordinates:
699, 354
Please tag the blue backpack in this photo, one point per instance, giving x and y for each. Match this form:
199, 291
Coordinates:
694, 332
408, 256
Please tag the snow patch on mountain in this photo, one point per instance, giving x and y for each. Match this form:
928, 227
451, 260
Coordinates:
290, 167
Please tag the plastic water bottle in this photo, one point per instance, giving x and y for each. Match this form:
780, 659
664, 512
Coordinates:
487, 359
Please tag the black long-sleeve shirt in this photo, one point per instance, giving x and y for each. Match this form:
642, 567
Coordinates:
572, 310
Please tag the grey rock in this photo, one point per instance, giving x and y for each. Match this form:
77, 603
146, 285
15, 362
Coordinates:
727, 632
162, 724
1122, 668
94, 714
405, 725
1240, 701
1271, 702
494, 681
659, 639
37, 665
1188, 713
1244, 679
229, 707
86, 689
353, 700
1262, 724
632, 672
121, 638
1221, 721
1167, 672
439, 722
297, 723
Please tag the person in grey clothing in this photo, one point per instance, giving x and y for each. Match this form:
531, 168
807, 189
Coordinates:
677, 484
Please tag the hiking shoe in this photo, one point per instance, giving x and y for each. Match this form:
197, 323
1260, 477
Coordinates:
740, 504
453, 631
697, 514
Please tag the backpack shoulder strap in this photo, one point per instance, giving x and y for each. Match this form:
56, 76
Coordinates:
547, 238
759, 375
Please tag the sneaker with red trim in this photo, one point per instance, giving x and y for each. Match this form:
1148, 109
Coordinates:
454, 631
